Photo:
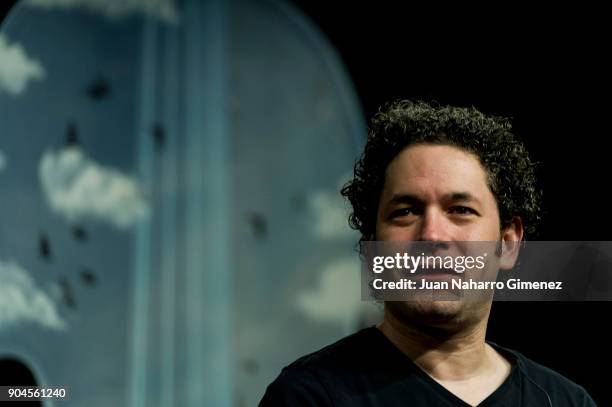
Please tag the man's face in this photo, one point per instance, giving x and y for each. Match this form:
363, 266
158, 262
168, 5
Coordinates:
439, 194
436, 193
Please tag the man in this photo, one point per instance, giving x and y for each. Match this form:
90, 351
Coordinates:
433, 174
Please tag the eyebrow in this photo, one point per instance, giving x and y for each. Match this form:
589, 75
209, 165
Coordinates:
450, 197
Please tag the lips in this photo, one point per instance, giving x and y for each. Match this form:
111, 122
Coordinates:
438, 276
435, 271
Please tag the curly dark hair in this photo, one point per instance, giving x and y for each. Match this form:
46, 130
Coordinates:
403, 123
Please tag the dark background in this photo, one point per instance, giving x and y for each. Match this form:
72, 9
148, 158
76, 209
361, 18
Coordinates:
548, 70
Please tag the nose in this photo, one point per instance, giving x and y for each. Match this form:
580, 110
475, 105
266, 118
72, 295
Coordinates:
433, 226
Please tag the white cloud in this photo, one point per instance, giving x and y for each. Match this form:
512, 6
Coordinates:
16, 67
22, 301
164, 10
337, 297
3, 161
329, 214
79, 189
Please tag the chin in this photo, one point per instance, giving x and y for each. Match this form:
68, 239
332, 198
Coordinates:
429, 313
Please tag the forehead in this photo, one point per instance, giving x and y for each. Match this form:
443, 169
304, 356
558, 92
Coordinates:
432, 170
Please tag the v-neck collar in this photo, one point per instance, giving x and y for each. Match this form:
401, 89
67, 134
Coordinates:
496, 396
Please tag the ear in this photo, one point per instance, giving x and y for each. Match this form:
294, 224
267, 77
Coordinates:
511, 237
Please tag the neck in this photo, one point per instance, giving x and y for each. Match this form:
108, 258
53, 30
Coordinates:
445, 354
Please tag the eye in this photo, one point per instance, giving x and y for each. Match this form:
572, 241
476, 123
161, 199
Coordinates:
462, 210
402, 212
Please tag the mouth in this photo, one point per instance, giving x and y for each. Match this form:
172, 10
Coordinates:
436, 272
439, 276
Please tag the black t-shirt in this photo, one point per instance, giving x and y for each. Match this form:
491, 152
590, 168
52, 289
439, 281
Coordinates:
366, 369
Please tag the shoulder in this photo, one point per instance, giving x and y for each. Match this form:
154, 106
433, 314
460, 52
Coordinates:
296, 386
560, 389
308, 380
340, 354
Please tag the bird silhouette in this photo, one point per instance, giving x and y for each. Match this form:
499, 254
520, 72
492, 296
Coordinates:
99, 88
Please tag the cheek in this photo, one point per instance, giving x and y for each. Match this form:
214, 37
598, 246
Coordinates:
484, 230
386, 231
393, 233
493, 225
